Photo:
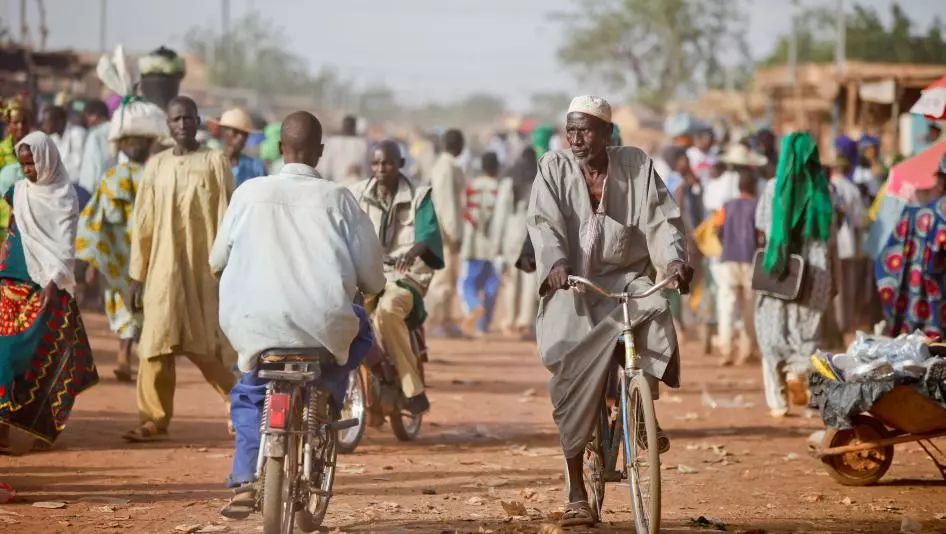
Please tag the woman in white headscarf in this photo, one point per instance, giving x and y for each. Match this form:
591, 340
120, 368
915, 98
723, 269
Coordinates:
45, 359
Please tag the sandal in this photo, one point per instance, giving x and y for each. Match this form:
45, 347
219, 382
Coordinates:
577, 514
242, 503
145, 433
41, 446
123, 375
663, 441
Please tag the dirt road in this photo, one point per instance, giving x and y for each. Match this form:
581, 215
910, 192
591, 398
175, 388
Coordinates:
489, 438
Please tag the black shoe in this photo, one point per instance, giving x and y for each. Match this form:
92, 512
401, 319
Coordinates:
418, 404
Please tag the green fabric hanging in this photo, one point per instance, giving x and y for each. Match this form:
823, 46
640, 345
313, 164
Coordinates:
801, 209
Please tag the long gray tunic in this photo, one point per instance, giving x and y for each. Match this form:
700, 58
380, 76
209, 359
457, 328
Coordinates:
642, 233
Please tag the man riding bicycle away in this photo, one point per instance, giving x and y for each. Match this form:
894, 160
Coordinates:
601, 212
403, 217
293, 250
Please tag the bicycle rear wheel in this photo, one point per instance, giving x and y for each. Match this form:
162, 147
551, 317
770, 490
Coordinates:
324, 459
642, 455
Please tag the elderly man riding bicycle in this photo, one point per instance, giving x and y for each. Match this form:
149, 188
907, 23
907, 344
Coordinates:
603, 213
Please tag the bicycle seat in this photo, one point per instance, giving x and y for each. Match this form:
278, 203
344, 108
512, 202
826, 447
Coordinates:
306, 354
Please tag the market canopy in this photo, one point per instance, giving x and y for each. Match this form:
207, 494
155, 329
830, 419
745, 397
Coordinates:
916, 173
932, 102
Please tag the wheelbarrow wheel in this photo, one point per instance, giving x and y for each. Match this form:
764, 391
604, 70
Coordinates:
861, 468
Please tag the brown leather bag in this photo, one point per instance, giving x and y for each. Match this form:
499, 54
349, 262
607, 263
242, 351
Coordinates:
786, 287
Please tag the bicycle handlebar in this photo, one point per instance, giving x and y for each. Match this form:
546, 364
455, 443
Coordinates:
575, 281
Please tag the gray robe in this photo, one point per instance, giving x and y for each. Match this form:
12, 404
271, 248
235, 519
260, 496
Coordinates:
577, 333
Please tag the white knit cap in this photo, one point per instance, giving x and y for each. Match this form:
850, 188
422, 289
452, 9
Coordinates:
591, 105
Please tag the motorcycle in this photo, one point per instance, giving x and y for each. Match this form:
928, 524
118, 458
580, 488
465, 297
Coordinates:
296, 463
374, 392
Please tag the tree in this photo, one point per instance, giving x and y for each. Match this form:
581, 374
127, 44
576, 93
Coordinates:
866, 39
657, 48
249, 56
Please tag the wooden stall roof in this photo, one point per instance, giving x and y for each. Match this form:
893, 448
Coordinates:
13, 59
824, 75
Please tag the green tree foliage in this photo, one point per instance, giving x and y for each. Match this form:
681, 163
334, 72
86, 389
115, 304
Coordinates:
866, 38
657, 48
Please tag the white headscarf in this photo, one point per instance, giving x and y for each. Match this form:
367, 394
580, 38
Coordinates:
46, 214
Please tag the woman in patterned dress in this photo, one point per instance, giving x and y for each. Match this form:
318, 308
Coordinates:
45, 359
911, 269
104, 242
796, 214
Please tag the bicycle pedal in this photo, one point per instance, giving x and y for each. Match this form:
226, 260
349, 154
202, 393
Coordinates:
612, 476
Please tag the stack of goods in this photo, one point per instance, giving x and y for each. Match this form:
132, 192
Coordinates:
846, 384
908, 357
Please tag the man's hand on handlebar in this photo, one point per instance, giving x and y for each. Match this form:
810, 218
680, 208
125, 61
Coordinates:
558, 276
683, 273
404, 262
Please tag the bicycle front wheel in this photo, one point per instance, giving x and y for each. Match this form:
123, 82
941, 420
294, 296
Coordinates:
642, 455
353, 408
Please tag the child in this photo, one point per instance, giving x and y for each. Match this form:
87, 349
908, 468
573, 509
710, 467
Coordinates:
736, 223
482, 236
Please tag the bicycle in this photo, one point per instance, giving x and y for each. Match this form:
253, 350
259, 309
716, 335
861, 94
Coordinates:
296, 464
634, 426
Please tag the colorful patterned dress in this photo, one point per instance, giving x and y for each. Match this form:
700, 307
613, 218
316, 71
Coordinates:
911, 271
104, 242
45, 359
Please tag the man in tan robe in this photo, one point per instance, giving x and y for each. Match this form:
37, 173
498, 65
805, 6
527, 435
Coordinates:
603, 213
181, 201
447, 183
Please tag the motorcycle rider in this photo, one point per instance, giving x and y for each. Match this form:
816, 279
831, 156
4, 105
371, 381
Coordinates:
403, 217
293, 250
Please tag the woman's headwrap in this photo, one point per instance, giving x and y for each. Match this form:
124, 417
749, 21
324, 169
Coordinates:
135, 116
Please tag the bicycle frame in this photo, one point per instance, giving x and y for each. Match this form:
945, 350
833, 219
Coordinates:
608, 429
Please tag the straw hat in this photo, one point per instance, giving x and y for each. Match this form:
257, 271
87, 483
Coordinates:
236, 119
739, 154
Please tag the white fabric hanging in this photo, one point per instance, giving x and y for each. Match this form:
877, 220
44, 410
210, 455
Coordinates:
135, 117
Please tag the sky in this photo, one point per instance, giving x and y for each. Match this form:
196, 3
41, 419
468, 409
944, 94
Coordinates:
422, 49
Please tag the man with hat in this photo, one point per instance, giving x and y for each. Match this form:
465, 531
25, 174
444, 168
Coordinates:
601, 212
235, 126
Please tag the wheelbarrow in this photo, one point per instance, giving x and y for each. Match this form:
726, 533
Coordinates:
861, 455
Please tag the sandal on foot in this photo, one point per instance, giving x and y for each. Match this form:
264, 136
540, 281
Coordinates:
145, 433
242, 503
663, 441
123, 375
577, 514
41, 446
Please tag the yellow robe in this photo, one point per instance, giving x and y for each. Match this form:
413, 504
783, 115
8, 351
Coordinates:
180, 205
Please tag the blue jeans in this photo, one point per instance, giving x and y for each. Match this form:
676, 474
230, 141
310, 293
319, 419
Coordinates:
249, 395
479, 285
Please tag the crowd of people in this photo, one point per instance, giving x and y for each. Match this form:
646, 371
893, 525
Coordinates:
193, 243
